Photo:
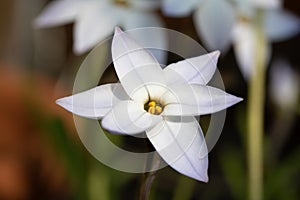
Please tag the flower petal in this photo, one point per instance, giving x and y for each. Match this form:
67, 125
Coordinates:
95, 23
245, 45
180, 142
145, 5
135, 66
215, 28
153, 39
280, 24
197, 70
57, 13
94, 103
129, 117
196, 100
179, 8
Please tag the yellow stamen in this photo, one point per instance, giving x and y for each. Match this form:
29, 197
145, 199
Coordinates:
154, 108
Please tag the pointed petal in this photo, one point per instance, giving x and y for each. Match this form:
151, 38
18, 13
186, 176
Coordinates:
94, 103
267, 4
153, 39
197, 70
180, 142
57, 13
96, 22
179, 8
135, 66
196, 100
215, 29
244, 42
129, 117
281, 25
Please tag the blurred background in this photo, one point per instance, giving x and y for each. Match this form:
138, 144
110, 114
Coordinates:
42, 157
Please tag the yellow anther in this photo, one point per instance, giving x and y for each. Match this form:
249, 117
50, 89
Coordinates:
158, 110
151, 104
151, 110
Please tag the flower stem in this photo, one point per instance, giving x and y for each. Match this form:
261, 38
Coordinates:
149, 177
256, 115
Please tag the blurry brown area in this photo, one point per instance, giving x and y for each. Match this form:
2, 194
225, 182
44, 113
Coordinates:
29, 166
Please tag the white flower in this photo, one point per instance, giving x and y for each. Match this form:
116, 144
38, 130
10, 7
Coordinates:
222, 22
162, 102
95, 19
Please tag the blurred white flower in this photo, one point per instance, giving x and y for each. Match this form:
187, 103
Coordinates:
94, 20
284, 85
220, 22
162, 102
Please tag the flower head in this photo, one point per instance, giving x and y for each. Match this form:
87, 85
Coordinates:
94, 20
161, 102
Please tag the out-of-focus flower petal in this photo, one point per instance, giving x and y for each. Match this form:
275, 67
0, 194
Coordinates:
180, 142
245, 48
128, 117
145, 5
96, 22
155, 40
197, 100
284, 85
214, 21
135, 66
179, 8
58, 12
197, 70
267, 4
280, 24
94, 103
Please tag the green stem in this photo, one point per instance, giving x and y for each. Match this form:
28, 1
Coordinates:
149, 177
256, 116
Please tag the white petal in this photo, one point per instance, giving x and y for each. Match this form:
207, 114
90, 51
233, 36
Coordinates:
196, 100
281, 25
57, 13
180, 142
94, 103
135, 66
214, 21
128, 117
96, 22
153, 39
267, 4
198, 70
145, 5
179, 8
245, 47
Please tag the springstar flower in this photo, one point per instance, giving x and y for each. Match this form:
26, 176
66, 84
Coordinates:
161, 102
222, 22
95, 19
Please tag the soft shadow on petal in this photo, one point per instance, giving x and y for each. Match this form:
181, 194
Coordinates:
197, 100
214, 21
94, 103
198, 70
180, 142
58, 12
135, 66
95, 24
280, 24
129, 117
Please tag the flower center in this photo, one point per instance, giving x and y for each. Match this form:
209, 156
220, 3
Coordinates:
153, 107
